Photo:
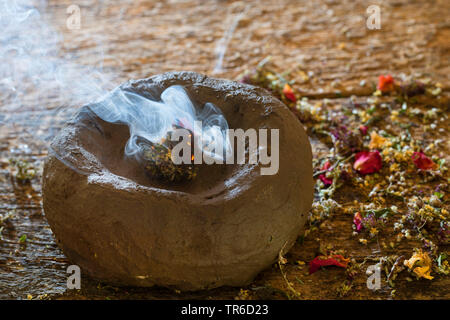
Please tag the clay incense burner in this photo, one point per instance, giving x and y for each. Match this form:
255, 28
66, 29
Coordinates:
221, 228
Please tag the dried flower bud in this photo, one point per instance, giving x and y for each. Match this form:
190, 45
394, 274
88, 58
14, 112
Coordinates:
368, 162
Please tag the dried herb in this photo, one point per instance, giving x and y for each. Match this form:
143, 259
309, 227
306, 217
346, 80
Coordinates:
158, 162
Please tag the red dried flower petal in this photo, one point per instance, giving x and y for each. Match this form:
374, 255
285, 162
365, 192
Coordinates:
357, 220
363, 130
385, 83
288, 93
368, 162
326, 181
324, 261
422, 161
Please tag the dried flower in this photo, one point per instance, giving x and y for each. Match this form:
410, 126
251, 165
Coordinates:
357, 220
422, 161
385, 83
367, 162
243, 295
363, 241
346, 140
373, 232
25, 171
363, 129
324, 261
377, 141
288, 93
420, 264
326, 181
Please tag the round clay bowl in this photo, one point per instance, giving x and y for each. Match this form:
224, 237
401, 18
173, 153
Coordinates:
222, 228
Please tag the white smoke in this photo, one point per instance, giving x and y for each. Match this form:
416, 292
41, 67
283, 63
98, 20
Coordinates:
35, 70
151, 120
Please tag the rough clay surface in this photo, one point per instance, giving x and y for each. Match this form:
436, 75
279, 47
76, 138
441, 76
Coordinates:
223, 228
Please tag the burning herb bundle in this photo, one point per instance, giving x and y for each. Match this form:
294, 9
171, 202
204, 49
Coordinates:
152, 123
157, 159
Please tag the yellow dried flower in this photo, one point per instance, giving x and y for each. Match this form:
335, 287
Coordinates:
373, 231
394, 167
243, 295
364, 116
420, 264
363, 241
394, 115
377, 141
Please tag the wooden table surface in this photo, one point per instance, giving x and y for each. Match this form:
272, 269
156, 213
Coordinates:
326, 39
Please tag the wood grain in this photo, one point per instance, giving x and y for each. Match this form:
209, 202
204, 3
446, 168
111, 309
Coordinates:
328, 40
